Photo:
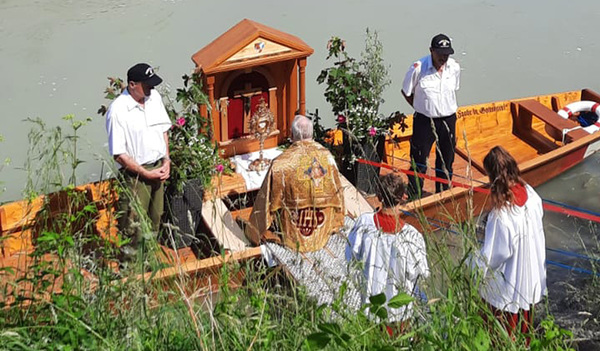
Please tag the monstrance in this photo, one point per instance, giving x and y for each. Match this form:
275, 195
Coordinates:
261, 124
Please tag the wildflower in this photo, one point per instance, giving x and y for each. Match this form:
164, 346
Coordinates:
219, 168
372, 131
180, 121
341, 119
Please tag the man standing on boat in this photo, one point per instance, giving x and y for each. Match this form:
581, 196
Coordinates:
300, 202
137, 124
430, 87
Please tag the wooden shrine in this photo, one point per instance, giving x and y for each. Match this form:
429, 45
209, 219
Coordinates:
249, 62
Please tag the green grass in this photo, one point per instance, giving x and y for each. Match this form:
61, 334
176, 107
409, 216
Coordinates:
269, 312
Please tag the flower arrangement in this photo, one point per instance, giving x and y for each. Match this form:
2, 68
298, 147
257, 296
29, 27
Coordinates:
194, 155
354, 88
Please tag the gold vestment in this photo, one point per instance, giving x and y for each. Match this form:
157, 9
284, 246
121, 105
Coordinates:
302, 191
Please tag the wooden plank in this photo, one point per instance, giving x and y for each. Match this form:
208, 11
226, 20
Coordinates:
19, 214
354, 202
589, 95
529, 108
12, 283
14, 243
223, 226
244, 213
225, 185
176, 256
199, 266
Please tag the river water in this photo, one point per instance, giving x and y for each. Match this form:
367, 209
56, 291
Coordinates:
56, 54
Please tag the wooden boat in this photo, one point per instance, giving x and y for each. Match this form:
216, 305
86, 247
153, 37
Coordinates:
529, 128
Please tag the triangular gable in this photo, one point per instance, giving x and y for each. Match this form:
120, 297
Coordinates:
236, 48
258, 48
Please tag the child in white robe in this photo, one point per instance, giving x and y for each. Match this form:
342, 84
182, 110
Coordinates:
513, 255
392, 252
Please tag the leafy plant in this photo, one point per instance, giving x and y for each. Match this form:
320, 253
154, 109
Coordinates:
50, 152
354, 88
551, 337
194, 155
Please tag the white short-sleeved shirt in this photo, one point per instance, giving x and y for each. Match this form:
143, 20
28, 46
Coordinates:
513, 256
392, 262
138, 131
434, 93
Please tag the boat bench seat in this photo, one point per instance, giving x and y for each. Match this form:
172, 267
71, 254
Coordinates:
529, 108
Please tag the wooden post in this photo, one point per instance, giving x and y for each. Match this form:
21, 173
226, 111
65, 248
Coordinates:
292, 98
224, 115
273, 105
302, 65
210, 82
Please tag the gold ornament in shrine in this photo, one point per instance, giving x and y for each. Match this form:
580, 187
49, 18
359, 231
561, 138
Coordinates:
261, 125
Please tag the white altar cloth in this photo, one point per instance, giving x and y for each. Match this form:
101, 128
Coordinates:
242, 162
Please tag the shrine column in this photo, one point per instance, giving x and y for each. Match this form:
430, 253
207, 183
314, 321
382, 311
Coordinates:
302, 65
210, 83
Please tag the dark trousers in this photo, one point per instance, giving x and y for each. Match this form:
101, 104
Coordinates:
426, 131
143, 198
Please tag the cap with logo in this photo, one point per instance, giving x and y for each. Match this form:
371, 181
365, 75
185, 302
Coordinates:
442, 44
143, 73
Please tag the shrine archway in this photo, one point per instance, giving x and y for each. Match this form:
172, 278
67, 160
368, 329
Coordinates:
244, 93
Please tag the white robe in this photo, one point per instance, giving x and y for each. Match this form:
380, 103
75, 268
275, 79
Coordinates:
392, 262
513, 256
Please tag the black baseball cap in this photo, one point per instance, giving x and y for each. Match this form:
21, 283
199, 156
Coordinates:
442, 44
143, 73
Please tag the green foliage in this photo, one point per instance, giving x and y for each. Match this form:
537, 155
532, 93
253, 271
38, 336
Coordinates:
50, 152
348, 331
354, 88
551, 337
194, 155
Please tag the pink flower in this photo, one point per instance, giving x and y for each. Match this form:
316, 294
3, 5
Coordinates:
341, 119
181, 121
219, 168
372, 131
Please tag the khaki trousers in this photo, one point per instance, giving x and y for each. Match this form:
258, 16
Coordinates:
149, 195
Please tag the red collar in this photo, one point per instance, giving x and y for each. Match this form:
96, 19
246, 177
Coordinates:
388, 223
520, 194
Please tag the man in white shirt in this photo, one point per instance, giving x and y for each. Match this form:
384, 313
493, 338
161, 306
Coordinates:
430, 87
137, 124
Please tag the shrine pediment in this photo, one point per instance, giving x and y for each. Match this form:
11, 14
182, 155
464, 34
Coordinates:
259, 48
247, 44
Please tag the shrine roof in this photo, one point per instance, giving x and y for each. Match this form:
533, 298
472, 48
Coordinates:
248, 44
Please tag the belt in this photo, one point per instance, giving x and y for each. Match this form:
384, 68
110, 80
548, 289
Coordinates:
422, 115
145, 165
153, 164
